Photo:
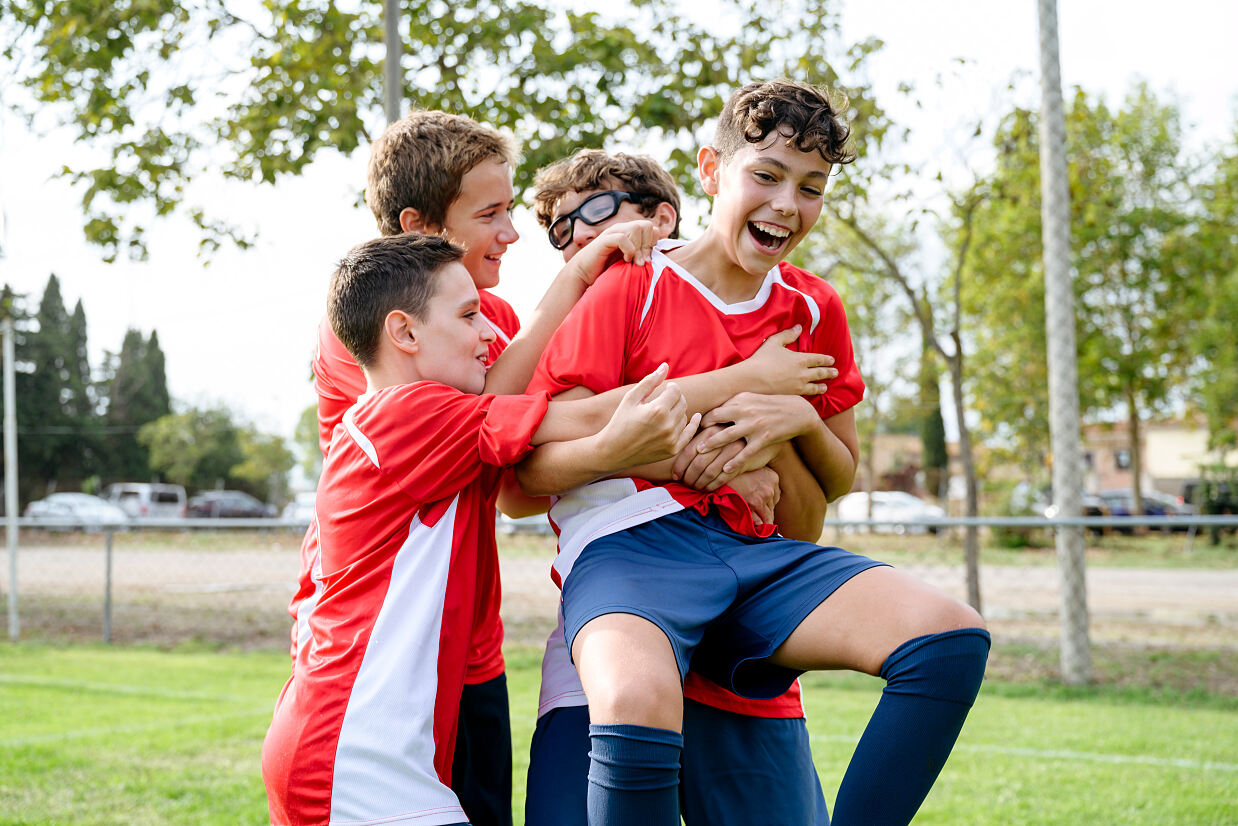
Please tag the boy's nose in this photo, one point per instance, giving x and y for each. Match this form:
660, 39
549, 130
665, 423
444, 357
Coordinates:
508, 235
582, 234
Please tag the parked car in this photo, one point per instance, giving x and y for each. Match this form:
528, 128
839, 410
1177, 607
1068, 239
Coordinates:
74, 509
890, 505
227, 504
301, 508
1121, 502
147, 500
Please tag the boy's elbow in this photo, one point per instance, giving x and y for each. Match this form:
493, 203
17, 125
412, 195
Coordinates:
530, 481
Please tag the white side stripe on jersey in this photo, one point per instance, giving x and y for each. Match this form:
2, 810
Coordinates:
367, 447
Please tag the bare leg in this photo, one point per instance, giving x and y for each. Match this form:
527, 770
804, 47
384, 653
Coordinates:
869, 616
628, 672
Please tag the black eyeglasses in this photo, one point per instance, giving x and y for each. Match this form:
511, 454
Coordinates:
593, 210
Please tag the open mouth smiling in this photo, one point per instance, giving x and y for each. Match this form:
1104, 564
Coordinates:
769, 237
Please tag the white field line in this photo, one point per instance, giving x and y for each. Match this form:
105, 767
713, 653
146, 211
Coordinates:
118, 688
82, 734
1068, 754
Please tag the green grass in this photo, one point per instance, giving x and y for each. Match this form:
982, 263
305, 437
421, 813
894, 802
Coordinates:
96, 735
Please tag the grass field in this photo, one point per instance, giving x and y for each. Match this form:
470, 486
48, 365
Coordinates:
97, 735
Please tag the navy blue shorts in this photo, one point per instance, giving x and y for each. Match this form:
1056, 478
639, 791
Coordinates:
736, 770
724, 600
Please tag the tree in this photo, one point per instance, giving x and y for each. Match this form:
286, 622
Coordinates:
1130, 195
306, 439
264, 467
137, 393
197, 448
301, 78
1214, 337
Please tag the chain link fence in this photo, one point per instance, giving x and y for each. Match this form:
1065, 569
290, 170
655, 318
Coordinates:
228, 582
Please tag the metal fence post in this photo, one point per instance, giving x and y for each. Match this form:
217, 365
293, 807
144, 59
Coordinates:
1076, 658
107, 589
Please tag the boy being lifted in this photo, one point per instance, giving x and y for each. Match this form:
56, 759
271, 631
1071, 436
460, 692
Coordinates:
656, 576
723, 781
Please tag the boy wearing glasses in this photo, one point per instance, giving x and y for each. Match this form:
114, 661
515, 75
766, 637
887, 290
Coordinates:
657, 576
723, 780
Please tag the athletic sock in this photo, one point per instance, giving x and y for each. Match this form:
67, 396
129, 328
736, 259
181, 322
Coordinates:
931, 683
633, 776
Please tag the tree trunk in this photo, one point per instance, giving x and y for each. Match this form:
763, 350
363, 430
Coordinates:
971, 536
1136, 455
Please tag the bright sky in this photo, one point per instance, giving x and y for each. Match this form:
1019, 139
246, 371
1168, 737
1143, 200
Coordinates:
240, 332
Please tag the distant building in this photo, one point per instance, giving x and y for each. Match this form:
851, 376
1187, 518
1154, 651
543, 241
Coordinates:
1172, 452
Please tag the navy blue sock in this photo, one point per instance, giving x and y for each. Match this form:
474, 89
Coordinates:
931, 682
634, 776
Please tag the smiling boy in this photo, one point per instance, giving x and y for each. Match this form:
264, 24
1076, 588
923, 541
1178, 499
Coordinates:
657, 575
365, 728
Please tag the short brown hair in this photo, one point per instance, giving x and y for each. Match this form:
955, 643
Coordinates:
394, 272
419, 160
803, 112
589, 169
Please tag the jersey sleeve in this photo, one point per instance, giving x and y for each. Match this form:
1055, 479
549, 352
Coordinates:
833, 338
590, 347
432, 440
337, 380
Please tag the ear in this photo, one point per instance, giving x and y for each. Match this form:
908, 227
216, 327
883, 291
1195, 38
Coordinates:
663, 220
411, 220
708, 166
401, 331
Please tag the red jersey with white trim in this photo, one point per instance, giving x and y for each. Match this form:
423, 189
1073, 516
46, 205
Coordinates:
339, 381
364, 730
634, 318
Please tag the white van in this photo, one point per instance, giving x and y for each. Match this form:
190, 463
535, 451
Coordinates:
148, 500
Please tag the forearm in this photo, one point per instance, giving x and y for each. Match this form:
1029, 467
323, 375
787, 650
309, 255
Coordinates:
830, 460
800, 512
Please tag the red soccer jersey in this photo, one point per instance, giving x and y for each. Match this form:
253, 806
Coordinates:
339, 381
364, 730
634, 318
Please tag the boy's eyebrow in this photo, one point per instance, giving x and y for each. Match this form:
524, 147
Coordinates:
816, 173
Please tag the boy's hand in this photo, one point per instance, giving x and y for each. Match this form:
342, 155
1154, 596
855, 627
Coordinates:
630, 241
761, 422
650, 424
708, 469
761, 490
778, 371
702, 469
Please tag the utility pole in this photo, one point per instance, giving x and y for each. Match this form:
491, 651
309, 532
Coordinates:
393, 80
10, 457
1076, 657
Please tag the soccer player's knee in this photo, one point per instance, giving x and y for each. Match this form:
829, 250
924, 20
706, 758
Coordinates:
640, 699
